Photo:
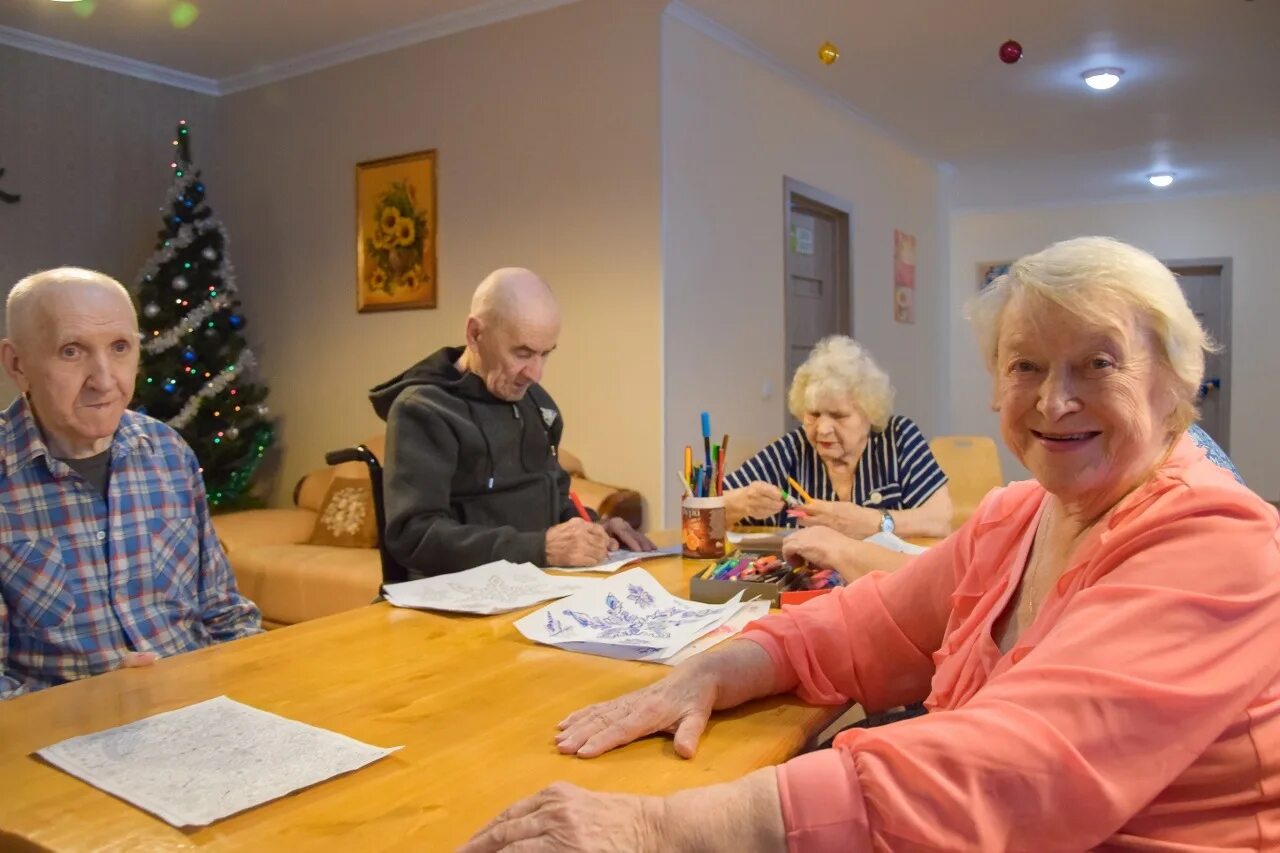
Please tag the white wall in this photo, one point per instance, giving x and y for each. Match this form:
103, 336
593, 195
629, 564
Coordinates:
733, 129
89, 152
547, 133
1240, 227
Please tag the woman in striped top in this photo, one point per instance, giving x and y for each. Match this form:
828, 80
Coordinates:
866, 469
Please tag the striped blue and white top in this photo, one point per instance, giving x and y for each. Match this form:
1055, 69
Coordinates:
896, 471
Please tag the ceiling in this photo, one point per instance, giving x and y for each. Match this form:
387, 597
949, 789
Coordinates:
1200, 96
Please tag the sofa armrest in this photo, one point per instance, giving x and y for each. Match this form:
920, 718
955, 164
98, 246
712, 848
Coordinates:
249, 528
610, 501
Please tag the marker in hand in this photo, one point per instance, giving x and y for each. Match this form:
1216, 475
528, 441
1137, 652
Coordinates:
582, 510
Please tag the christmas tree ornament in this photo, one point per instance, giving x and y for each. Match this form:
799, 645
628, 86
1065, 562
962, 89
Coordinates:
179, 283
170, 386
828, 53
263, 410
150, 310
1010, 52
189, 355
209, 254
233, 433
235, 321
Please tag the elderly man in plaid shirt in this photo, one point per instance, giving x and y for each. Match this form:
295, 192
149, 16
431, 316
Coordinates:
107, 555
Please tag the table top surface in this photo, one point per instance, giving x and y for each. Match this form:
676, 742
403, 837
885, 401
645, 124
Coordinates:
473, 703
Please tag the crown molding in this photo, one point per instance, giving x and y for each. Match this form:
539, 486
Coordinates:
57, 49
490, 12
739, 44
433, 28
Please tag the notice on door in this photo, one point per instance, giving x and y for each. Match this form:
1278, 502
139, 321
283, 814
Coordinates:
802, 237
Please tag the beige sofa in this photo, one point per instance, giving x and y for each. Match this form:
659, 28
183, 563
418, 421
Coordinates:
292, 580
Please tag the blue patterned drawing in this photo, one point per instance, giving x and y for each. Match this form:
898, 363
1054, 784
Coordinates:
554, 625
639, 595
620, 623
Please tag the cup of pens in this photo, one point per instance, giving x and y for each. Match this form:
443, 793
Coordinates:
702, 527
702, 516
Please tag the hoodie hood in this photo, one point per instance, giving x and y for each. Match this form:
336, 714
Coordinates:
440, 369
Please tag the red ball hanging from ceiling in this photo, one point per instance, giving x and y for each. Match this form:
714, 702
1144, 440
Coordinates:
1010, 52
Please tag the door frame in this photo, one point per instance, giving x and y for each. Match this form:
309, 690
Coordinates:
821, 202
1223, 266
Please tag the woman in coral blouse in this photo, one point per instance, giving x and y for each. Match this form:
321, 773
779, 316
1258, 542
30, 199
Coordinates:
1098, 646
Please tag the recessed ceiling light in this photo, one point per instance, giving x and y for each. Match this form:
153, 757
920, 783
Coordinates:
1102, 78
1160, 179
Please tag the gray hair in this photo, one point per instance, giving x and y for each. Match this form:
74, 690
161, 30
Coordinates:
28, 294
1088, 276
840, 367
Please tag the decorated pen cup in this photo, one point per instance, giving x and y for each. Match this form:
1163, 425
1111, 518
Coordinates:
702, 527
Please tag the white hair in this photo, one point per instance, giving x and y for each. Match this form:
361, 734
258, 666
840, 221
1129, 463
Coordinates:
840, 367
1091, 277
27, 296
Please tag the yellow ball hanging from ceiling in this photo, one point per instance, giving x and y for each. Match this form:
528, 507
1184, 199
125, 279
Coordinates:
828, 53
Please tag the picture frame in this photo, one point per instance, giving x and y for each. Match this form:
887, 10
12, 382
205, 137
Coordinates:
396, 231
989, 271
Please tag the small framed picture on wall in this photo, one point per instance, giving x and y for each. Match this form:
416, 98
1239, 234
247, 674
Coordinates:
396, 233
989, 271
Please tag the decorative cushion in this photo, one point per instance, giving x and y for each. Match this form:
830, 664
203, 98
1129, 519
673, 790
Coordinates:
346, 518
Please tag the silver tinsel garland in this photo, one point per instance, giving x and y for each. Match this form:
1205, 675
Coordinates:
212, 388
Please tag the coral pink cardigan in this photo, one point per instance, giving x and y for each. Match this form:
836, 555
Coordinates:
1141, 709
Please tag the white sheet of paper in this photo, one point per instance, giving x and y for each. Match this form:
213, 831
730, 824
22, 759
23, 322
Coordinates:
893, 543
748, 613
630, 610
496, 587
618, 559
204, 762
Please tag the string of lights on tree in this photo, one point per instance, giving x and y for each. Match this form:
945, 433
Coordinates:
197, 369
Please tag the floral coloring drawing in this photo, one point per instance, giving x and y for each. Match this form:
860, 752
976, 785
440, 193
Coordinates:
621, 624
554, 625
639, 595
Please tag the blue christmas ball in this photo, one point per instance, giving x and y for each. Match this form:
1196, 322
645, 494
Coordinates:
170, 386
236, 321
199, 188
189, 355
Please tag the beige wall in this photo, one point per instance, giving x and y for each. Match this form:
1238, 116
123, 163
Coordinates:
88, 150
1240, 227
733, 129
547, 135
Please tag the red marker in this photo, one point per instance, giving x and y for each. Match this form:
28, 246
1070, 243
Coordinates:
577, 502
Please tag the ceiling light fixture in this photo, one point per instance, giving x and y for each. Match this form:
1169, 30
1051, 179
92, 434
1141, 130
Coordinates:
1102, 78
1160, 179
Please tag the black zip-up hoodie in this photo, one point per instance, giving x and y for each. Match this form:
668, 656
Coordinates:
469, 478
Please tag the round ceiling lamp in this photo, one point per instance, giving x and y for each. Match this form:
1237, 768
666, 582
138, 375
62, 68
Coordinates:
1102, 79
1160, 179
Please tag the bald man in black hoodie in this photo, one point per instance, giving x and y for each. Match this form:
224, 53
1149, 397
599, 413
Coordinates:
472, 473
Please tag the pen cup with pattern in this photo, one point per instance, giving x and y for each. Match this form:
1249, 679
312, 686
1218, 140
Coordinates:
702, 525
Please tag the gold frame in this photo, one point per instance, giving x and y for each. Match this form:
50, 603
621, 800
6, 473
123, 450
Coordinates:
395, 262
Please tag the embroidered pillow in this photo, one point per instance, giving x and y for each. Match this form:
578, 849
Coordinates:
346, 515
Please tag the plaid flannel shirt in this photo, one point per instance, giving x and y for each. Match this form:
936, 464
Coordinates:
83, 579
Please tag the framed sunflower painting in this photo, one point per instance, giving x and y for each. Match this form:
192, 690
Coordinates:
396, 233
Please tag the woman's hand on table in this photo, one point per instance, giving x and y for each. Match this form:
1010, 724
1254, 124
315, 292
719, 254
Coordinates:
681, 703
848, 518
757, 499
565, 817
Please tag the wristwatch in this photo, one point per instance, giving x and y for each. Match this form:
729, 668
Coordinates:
886, 521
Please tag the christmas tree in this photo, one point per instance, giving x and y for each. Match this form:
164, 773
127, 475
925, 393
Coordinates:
196, 367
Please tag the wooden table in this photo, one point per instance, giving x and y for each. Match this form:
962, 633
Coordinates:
474, 704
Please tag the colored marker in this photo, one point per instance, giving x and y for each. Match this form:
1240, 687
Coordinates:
577, 502
800, 490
